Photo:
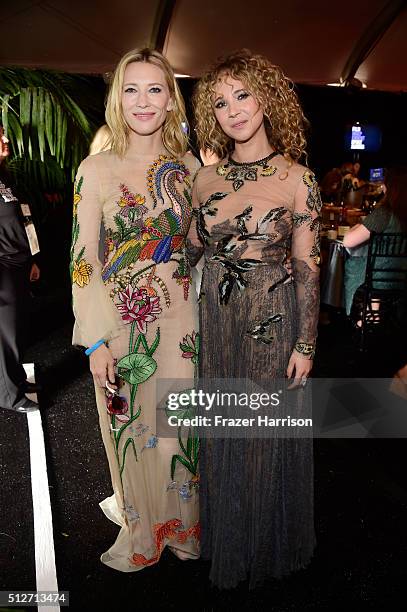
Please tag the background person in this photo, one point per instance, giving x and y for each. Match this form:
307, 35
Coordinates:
16, 270
388, 217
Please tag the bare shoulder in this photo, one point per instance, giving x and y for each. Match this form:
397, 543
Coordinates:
302, 173
98, 162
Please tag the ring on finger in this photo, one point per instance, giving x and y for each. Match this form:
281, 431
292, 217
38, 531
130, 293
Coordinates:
303, 381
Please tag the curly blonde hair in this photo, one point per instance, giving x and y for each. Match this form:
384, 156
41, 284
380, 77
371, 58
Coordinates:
284, 120
174, 137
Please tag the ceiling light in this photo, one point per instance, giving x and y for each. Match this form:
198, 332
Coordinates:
182, 76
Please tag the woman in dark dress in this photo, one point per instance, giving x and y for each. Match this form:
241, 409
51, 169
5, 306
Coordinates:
253, 206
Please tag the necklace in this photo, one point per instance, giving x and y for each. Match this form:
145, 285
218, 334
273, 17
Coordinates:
239, 172
260, 162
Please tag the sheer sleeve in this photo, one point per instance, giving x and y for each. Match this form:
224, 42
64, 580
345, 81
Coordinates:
305, 259
95, 314
194, 246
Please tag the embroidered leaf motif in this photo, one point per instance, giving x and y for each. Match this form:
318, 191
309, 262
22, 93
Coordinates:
244, 216
299, 218
274, 214
268, 171
136, 368
313, 201
287, 278
80, 255
262, 332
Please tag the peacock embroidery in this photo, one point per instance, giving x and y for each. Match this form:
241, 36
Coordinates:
138, 237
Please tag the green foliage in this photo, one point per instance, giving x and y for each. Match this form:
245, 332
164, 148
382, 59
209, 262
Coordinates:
43, 115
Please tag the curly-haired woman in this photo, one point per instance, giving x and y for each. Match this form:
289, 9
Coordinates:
254, 206
135, 310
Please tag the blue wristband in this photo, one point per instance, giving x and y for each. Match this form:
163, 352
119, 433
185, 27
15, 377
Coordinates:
92, 348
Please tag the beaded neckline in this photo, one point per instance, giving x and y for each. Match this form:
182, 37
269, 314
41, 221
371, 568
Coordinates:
259, 162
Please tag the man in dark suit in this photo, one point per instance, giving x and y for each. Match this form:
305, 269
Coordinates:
16, 269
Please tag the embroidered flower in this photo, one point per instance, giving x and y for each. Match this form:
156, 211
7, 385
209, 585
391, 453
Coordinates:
132, 205
117, 405
185, 491
139, 429
151, 442
132, 514
190, 347
138, 306
81, 273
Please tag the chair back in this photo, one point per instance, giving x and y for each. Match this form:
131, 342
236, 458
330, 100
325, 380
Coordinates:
386, 268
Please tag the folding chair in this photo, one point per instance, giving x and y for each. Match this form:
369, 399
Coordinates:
385, 282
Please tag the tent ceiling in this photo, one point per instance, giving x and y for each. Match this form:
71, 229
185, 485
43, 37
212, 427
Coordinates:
312, 41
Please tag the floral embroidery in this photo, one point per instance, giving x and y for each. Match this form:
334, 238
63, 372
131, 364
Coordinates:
81, 271
135, 368
152, 442
189, 454
138, 306
79, 268
185, 490
132, 514
190, 347
155, 238
132, 206
183, 276
118, 408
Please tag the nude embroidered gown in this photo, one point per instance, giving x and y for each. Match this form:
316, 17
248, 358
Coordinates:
139, 300
256, 494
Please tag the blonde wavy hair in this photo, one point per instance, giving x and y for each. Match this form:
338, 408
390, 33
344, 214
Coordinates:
174, 137
284, 120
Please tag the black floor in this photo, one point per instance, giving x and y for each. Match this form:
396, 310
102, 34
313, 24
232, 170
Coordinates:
360, 502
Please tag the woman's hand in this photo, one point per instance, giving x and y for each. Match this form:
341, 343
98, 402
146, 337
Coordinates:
101, 365
299, 368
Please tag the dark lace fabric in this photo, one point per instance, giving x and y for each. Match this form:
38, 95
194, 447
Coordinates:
256, 495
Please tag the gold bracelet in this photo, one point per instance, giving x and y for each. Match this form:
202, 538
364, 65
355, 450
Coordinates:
306, 349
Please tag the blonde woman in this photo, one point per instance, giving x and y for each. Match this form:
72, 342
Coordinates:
134, 310
253, 206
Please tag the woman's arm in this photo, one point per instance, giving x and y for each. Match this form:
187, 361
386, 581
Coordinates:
305, 260
356, 236
95, 315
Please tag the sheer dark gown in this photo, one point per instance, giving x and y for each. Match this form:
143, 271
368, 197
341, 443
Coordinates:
256, 495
